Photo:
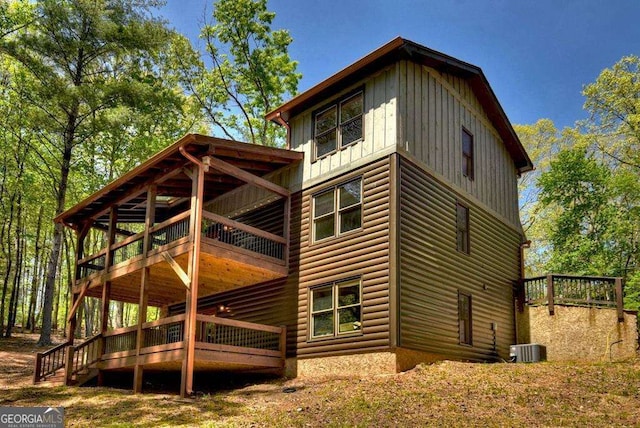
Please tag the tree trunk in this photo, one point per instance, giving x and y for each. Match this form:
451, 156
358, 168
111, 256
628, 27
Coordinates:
119, 318
6, 247
13, 302
33, 296
58, 230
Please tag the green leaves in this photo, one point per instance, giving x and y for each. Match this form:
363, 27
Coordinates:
250, 72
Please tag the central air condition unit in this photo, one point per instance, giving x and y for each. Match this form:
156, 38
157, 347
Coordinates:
527, 353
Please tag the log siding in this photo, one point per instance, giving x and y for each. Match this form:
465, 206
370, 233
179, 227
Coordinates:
363, 254
432, 272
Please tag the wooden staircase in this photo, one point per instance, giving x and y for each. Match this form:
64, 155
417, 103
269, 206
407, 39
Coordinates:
69, 364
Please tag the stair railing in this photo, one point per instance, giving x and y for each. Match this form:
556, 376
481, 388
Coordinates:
49, 362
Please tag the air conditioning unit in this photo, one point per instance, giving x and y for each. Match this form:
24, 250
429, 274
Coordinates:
527, 353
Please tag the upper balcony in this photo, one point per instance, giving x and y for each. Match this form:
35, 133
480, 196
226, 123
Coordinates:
157, 221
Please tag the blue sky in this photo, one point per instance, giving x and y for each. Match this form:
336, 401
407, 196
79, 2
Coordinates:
537, 55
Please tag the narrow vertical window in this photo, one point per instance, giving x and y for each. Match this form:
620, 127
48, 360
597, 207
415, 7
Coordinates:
322, 313
464, 318
326, 131
462, 228
351, 120
467, 154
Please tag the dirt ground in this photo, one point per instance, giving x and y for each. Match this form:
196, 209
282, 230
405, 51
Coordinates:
442, 394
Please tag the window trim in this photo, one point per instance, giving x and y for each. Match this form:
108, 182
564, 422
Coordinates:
470, 171
469, 320
334, 286
467, 229
337, 211
337, 103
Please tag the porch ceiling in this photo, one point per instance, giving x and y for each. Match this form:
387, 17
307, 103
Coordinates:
216, 274
166, 169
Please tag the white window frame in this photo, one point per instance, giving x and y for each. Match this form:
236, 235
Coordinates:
337, 211
335, 308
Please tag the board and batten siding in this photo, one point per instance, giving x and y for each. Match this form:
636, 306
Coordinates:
432, 109
363, 253
432, 272
379, 130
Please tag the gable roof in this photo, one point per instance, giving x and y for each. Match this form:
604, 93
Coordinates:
399, 49
129, 191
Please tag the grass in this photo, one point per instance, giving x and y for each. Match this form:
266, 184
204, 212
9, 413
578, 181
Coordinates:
442, 394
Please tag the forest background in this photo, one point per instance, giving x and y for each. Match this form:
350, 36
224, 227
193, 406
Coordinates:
91, 88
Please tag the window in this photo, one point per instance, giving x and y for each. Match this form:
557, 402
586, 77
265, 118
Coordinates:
337, 210
336, 309
464, 318
338, 125
462, 228
467, 154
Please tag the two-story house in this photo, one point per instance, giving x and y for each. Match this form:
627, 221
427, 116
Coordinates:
386, 234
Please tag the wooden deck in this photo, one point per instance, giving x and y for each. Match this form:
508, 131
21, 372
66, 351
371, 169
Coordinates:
231, 255
221, 344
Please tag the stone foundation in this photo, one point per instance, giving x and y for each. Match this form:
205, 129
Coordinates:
580, 334
364, 364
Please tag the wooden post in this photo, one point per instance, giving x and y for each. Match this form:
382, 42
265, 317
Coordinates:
191, 303
38, 369
287, 228
550, 293
72, 322
106, 286
144, 288
283, 345
71, 325
68, 365
619, 299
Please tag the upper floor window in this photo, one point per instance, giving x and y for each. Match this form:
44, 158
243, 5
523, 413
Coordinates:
338, 125
467, 154
336, 309
462, 228
337, 210
464, 318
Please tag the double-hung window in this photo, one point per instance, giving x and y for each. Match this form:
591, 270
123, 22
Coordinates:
336, 309
338, 125
337, 210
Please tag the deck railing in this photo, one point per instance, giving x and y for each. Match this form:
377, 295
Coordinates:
82, 356
227, 332
169, 231
215, 228
163, 331
239, 235
49, 362
92, 264
123, 339
574, 290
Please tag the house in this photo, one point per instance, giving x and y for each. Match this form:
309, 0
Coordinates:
386, 234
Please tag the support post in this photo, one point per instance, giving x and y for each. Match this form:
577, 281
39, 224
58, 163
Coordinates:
619, 299
144, 288
191, 303
287, 228
106, 286
68, 365
550, 293
72, 321
38, 369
